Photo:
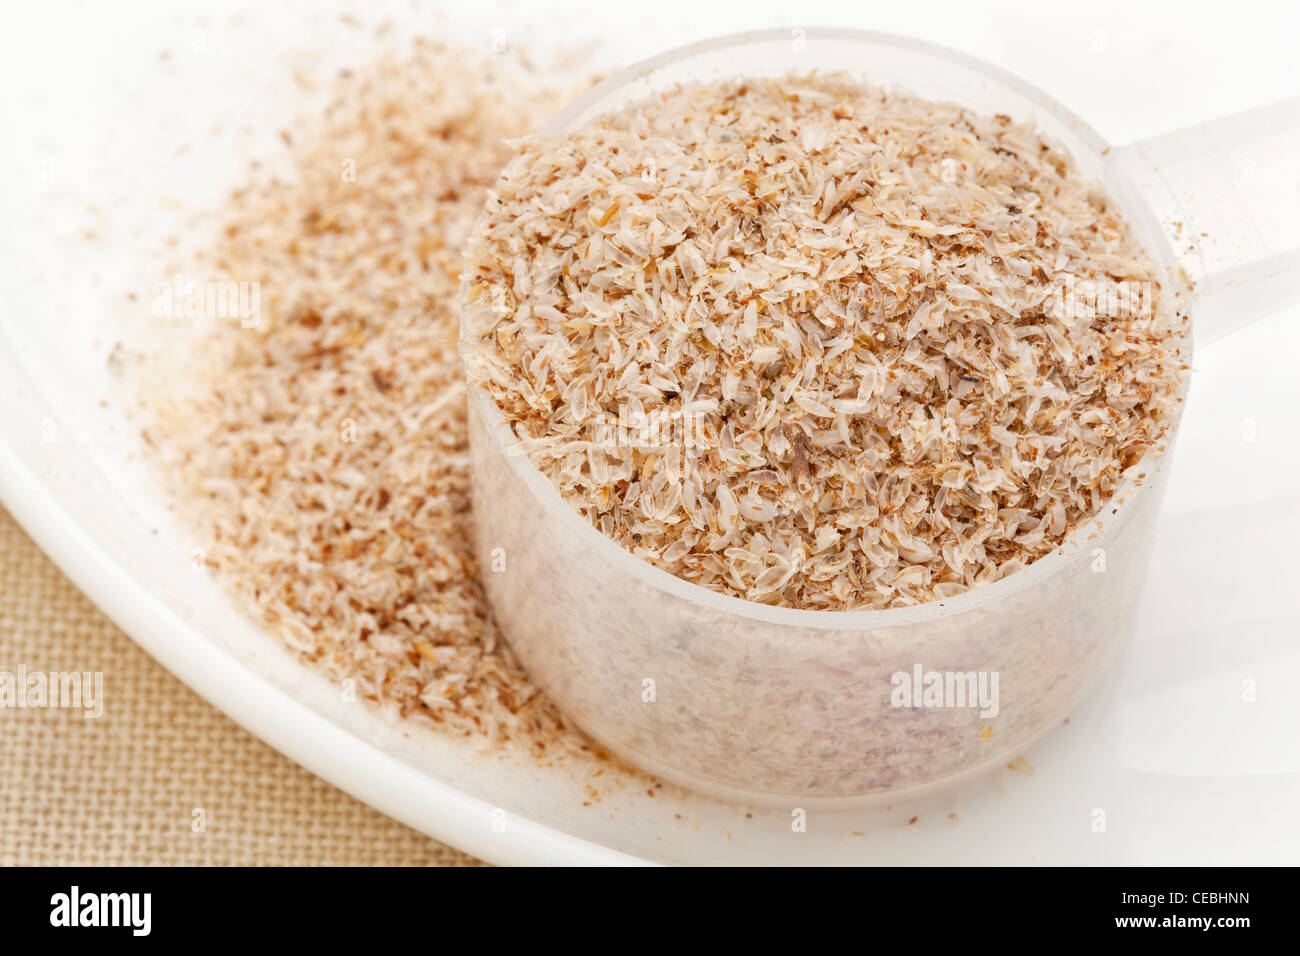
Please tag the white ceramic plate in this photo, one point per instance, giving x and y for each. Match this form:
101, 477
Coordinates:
1184, 764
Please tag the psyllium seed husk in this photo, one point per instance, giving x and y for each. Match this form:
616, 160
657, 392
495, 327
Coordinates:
321, 456
818, 345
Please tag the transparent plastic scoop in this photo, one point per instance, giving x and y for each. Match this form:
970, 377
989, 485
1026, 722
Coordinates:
1229, 194
785, 707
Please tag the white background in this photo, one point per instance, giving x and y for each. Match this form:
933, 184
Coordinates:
1186, 769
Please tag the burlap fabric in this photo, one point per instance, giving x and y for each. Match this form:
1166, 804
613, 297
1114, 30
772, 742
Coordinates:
124, 788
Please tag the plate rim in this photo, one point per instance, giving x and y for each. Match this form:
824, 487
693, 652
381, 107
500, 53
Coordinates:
274, 716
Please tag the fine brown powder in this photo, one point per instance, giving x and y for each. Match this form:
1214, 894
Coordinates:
321, 456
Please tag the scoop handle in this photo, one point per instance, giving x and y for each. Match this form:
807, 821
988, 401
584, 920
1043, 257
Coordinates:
1228, 193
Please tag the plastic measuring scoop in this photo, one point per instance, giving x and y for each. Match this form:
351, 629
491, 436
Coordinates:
1229, 194
785, 707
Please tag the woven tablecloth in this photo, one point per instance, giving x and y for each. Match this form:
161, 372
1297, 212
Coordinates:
123, 788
